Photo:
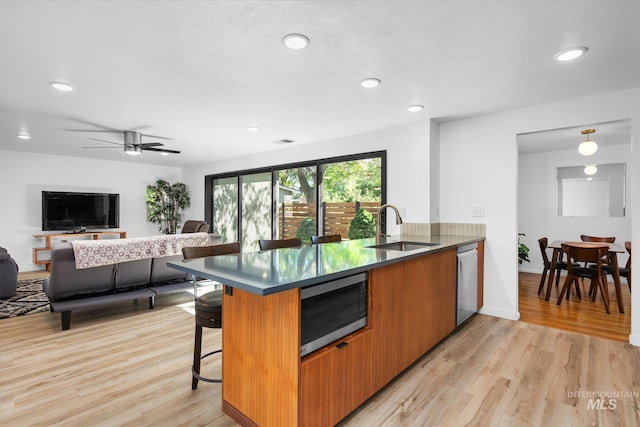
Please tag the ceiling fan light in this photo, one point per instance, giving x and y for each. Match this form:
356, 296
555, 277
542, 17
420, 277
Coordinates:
164, 154
132, 150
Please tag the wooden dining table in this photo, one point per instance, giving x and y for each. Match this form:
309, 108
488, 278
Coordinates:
614, 250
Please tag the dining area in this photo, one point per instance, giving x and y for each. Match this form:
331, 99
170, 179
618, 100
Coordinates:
585, 286
569, 205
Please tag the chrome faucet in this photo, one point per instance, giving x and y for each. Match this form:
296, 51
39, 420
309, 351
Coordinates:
398, 220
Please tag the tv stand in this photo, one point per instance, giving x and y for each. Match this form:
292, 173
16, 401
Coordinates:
95, 235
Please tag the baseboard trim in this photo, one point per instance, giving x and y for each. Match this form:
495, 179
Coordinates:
634, 340
499, 312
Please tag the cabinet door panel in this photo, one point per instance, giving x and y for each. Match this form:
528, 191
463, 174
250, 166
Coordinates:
413, 307
336, 380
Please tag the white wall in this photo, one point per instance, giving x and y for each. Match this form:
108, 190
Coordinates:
479, 159
407, 166
25, 175
537, 201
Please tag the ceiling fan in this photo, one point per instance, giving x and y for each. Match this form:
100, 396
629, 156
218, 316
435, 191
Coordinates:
134, 146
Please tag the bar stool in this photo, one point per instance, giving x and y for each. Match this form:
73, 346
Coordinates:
208, 306
266, 244
316, 240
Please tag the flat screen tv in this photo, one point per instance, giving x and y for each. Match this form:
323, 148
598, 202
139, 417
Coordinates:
79, 211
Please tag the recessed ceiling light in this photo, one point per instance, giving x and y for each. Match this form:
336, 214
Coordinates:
570, 54
24, 136
295, 41
253, 129
61, 86
415, 108
164, 154
370, 82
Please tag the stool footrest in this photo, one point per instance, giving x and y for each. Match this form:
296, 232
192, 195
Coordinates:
200, 377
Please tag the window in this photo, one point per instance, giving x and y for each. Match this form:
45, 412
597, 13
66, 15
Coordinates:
296, 200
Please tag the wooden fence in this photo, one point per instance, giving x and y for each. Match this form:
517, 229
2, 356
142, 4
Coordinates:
336, 219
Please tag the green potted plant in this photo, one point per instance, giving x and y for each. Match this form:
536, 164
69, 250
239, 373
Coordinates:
523, 250
165, 203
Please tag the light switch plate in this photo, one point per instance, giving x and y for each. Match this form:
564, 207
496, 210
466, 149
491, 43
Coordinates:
477, 211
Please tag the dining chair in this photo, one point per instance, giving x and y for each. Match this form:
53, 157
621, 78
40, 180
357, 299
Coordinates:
587, 238
585, 255
208, 306
607, 261
560, 265
266, 244
325, 239
622, 271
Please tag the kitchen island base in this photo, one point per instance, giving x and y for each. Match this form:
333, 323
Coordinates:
412, 307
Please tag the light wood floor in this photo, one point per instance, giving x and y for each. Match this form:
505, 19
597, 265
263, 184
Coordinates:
584, 316
128, 365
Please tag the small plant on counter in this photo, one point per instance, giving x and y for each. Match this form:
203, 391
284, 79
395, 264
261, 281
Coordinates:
363, 225
523, 250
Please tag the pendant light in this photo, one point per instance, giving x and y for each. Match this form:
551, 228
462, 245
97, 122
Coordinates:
588, 148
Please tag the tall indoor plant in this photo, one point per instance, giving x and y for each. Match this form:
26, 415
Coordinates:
165, 203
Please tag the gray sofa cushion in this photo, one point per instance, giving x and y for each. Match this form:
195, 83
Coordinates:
67, 282
161, 272
132, 274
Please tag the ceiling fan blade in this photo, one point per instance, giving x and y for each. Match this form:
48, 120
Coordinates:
108, 142
162, 150
151, 144
95, 125
155, 136
91, 130
101, 147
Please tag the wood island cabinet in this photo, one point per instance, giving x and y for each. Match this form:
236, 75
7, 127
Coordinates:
411, 308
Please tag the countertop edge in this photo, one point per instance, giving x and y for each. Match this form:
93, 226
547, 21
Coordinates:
237, 282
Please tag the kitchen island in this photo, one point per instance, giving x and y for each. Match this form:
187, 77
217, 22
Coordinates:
411, 307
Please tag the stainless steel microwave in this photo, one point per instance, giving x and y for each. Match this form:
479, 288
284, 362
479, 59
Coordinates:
333, 310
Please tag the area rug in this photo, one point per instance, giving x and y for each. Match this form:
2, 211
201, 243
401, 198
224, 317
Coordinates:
29, 298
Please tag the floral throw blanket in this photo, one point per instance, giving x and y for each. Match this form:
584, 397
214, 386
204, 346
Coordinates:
95, 253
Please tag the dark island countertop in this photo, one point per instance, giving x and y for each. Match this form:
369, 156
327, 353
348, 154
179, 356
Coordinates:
268, 272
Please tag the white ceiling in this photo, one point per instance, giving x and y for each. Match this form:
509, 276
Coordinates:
200, 72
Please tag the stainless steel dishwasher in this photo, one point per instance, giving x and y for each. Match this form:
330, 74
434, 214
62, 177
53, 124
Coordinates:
467, 282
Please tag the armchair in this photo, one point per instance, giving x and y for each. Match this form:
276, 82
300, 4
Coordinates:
8, 274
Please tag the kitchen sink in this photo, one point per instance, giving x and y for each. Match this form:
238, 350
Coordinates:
402, 246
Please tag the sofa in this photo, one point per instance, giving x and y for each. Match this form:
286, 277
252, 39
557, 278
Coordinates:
71, 288
8, 274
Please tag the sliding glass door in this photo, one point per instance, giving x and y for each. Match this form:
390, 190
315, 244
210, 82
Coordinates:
301, 200
225, 208
255, 209
297, 209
